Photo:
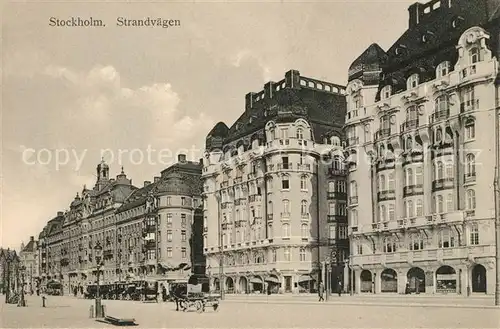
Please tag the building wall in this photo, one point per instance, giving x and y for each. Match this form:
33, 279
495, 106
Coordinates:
451, 222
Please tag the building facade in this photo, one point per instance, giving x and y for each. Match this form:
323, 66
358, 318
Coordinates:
420, 128
9, 271
28, 257
274, 189
117, 232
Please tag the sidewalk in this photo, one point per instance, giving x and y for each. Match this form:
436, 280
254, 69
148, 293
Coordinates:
390, 300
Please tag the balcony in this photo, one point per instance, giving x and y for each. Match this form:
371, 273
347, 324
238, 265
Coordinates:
304, 166
443, 184
386, 195
285, 166
336, 196
285, 215
470, 105
353, 200
352, 141
336, 218
468, 71
470, 177
337, 172
413, 190
255, 198
409, 125
237, 180
440, 115
382, 133
251, 175
150, 244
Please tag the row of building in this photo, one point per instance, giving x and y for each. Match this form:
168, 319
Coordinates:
383, 185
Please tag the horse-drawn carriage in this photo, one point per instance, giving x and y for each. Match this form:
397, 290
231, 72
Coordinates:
199, 302
54, 288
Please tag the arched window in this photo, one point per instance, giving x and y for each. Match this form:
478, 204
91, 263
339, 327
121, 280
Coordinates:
304, 231
389, 245
447, 238
411, 210
409, 144
470, 165
471, 199
302, 254
449, 202
336, 140
286, 206
420, 208
412, 81
354, 217
439, 135
285, 228
442, 69
270, 207
353, 189
382, 183
434, 204
441, 104
331, 187
300, 133
303, 182
386, 92
440, 170
474, 234
470, 130
474, 55
440, 205
303, 207
409, 178
416, 242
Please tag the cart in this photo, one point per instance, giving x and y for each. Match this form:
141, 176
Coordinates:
199, 302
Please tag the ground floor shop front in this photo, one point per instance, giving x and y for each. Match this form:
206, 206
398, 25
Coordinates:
430, 277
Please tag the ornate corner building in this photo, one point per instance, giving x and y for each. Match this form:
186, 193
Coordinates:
420, 127
152, 232
274, 189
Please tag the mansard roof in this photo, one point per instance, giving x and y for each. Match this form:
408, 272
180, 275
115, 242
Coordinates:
30, 247
219, 130
370, 60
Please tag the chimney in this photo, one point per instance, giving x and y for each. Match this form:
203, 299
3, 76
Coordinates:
416, 12
269, 89
181, 158
156, 179
146, 183
32, 238
292, 79
60, 213
249, 101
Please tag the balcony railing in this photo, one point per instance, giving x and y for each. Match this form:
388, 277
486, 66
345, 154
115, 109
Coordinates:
285, 215
383, 133
470, 177
255, 198
440, 115
470, 105
413, 190
409, 125
386, 195
351, 141
336, 196
237, 180
285, 166
442, 184
304, 166
337, 172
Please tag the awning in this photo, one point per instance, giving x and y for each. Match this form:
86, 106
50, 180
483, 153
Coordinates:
256, 280
305, 278
272, 279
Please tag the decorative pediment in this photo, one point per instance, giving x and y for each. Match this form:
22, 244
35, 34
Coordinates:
440, 85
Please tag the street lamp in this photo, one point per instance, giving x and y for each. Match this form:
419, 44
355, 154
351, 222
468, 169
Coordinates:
98, 257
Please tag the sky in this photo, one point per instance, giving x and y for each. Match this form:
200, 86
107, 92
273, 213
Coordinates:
138, 96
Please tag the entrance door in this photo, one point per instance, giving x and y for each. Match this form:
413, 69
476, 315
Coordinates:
479, 278
288, 284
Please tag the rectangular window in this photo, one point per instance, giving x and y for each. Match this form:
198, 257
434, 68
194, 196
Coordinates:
287, 254
284, 133
391, 212
183, 220
169, 220
183, 253
474, 234
183, 201
169, 201
169, 236
285, 184
183, 235
332, 231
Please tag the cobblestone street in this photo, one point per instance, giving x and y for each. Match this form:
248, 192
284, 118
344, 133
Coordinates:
263, 312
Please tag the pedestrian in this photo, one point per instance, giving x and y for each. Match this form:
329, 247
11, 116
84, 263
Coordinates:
268, 289
321, 292
164, 293
339, 287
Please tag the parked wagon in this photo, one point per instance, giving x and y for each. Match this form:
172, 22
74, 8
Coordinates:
199, 302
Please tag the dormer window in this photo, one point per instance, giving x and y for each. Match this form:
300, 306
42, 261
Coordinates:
474, 55
442, 69
386, 92
250, 120
412, 81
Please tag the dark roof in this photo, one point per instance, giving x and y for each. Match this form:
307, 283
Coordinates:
8, 252
30, 247
220, 130
373, 55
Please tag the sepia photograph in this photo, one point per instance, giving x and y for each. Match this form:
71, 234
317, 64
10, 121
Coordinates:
250, 164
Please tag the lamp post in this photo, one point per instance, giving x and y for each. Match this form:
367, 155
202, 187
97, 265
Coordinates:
98, 257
